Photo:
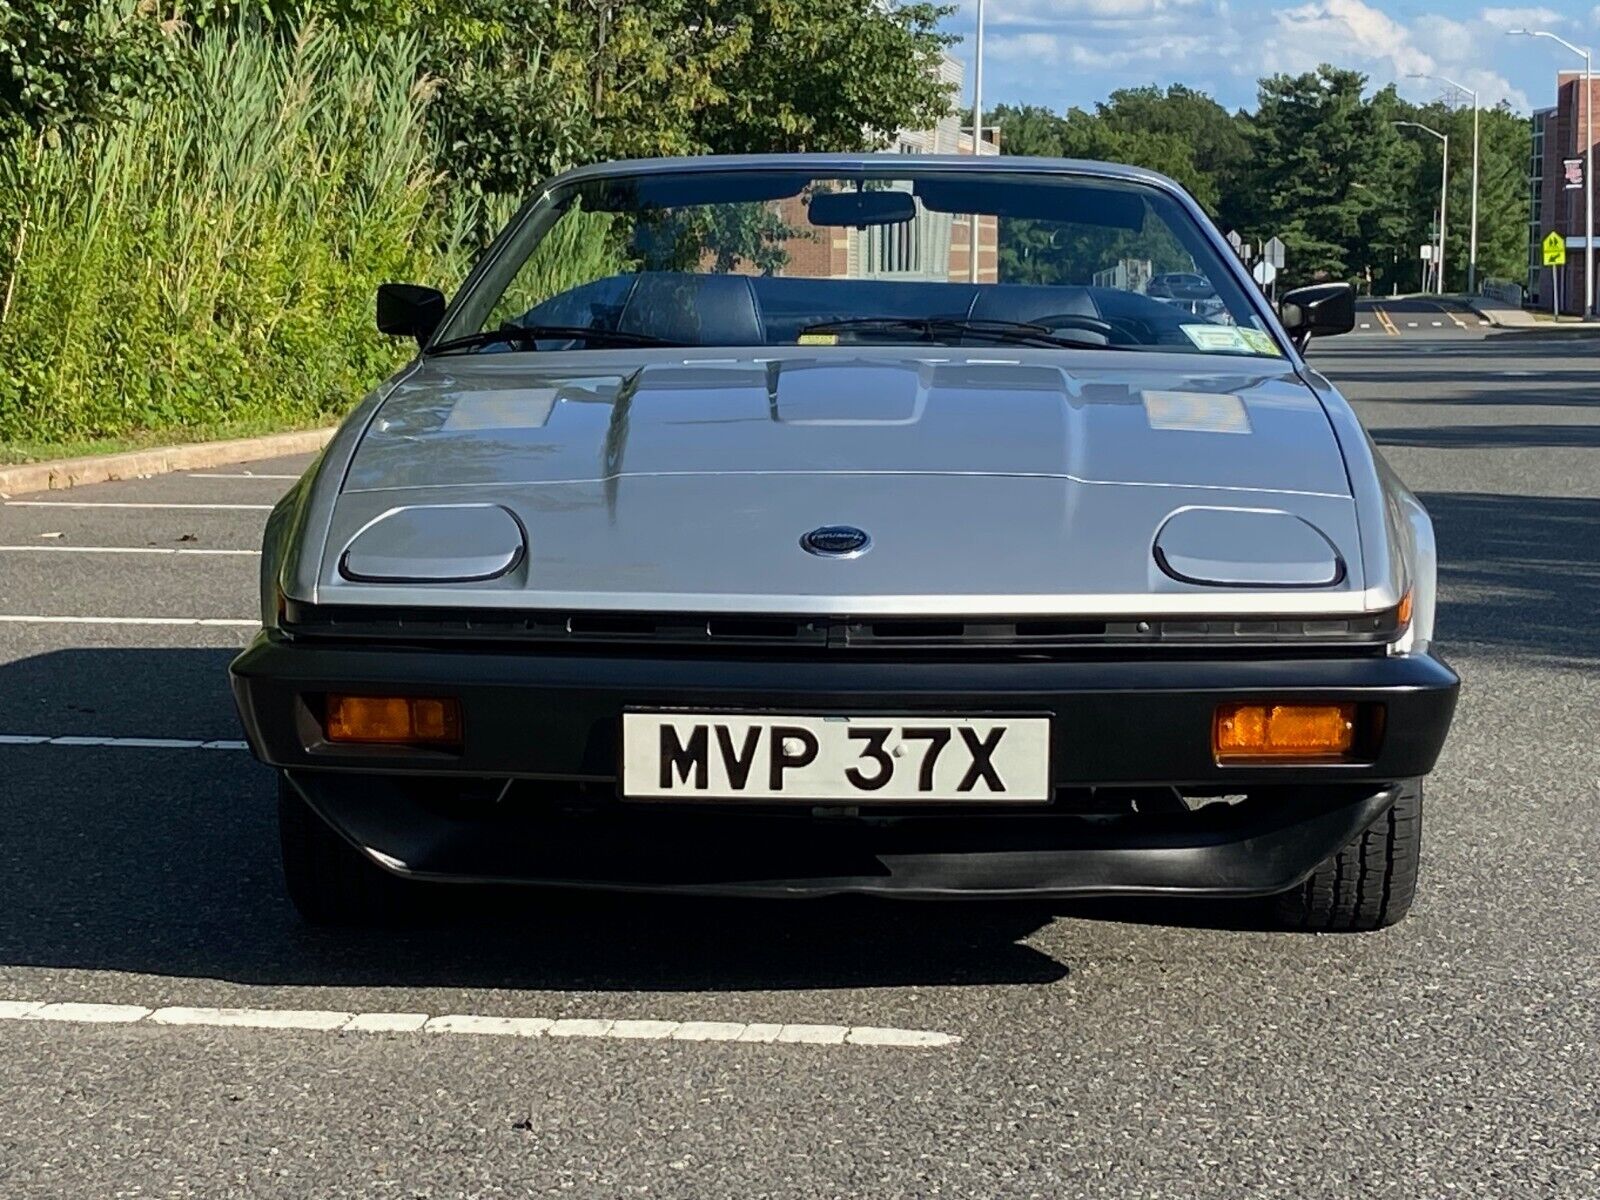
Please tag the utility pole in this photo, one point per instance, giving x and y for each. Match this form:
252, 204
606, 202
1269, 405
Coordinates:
977, 137
1588, 165
1444, 193
1472, 244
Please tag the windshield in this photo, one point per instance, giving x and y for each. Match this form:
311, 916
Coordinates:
744, 258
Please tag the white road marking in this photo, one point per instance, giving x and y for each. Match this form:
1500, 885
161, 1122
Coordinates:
1438, 324
90, 1014
134, 504
386, 1022
252, 1018
866, 1035
1366, 324
121, 743
1411, 324
205, 622
500, 1026
122, 550
474, 1025
707, 1031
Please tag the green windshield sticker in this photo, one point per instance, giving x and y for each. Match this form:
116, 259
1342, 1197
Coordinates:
1215, 337
1261, 343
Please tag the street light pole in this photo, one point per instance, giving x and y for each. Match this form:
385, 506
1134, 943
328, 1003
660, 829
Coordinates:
977, 137
1472, 245
1588, 166
1444, 192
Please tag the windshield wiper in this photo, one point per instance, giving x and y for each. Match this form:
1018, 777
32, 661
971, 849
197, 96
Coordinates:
935, 328
527, 335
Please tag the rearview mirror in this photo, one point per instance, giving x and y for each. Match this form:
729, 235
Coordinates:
860, 209
409, 310
1321, 310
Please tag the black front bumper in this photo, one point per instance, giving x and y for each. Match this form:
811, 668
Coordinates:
1117, 727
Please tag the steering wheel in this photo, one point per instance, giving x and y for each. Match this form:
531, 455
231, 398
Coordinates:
1076, 321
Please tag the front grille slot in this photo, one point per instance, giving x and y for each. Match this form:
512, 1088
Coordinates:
689, 632
590, 625
1060, 629
758, 628
918, 630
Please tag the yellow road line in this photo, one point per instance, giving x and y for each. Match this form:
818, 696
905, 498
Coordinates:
1459, 322
1383, 319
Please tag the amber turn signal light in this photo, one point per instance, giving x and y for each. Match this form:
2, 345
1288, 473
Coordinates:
1403, 613
1283, 732
401, 720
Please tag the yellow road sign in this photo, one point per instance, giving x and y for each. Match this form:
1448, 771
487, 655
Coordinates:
1555, 250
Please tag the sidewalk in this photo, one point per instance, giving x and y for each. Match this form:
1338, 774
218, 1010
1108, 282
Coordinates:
1509, 316
136, 464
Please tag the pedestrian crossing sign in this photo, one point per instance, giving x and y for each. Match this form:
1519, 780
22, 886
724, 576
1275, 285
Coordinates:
1555, 250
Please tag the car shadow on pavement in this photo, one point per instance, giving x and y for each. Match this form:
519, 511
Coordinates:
164, 861
1489, 437
1518, 574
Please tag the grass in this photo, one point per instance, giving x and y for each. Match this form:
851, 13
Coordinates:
208, 263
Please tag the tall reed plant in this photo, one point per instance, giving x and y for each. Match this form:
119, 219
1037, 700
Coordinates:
211, 258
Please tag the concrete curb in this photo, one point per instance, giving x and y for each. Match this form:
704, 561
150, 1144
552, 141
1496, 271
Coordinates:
135, 464
1500, 314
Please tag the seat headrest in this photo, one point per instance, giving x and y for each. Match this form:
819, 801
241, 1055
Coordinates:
697, 310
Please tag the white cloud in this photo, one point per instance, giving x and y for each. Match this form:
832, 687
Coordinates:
1352, 33
1522, 18
1057, 42
1062, 12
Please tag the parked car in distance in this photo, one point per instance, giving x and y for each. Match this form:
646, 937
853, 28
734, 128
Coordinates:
735, 531
1180, 285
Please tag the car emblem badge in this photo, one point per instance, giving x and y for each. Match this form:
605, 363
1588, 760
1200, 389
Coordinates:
836, 541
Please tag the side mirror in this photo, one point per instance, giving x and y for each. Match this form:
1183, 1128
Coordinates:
1321, 310
409, 310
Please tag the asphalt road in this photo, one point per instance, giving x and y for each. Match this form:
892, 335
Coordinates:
1105, 1051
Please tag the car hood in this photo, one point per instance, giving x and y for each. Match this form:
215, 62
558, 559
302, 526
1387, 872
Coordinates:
1030, 480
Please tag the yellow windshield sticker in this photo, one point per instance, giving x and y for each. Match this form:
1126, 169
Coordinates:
1261, 343
1197, 412
818, 339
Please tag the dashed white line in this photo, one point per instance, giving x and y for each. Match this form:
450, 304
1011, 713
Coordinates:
1438, 324
121, 743
170, 550
252, 1018
88, 1014
135, 504
475, 1025
204, 622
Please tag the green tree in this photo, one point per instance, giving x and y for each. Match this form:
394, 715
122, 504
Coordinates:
525, 90
1179, 132
1216, 143
63, 62
1321, 153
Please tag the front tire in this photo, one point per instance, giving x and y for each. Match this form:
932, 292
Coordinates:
329, 881
1370, 883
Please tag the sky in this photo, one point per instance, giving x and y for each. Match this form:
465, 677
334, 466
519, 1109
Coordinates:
1065, 53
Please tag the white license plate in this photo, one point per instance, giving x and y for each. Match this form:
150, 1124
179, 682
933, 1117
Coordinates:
709, 756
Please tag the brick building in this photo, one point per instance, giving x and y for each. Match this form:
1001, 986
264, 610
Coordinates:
1558, 136
935, 246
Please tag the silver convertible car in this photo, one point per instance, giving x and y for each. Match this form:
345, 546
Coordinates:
813, 524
